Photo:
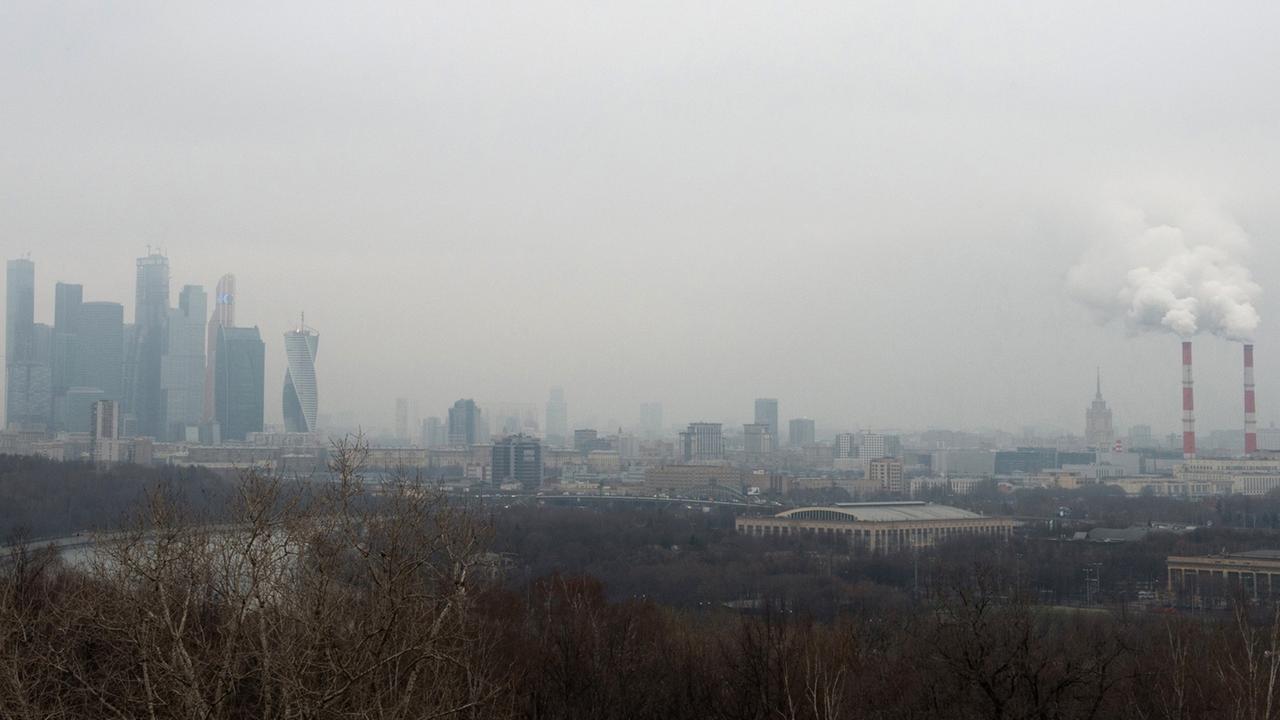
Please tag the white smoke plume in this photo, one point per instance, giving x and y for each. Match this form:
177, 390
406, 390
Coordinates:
1182, 271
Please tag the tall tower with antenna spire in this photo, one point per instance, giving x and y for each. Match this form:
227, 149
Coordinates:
1098, 430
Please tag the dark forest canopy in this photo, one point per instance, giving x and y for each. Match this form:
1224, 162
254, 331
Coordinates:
316, 603
46, 498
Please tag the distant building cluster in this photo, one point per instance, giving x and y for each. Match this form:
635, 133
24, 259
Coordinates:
182, 383
181, 373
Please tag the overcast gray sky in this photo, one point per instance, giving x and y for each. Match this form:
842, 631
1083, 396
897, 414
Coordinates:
866, 209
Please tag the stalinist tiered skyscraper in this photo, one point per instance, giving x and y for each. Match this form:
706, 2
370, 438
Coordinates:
1098, 432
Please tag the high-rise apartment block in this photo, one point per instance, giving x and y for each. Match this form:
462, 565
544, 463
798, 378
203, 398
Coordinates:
104, 433
586, 440
651, 420
767, 414
434, 433
756, 438
887, 474
557, 430
801, 432
628, 446
846, 446
1140, 437
876, 445
702, 442
402, 420
105, 420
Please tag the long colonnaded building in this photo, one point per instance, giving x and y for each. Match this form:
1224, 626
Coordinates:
1205, 577
878, 526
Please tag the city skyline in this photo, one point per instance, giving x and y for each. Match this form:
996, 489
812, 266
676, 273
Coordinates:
1220, 381
807, 156
750, 359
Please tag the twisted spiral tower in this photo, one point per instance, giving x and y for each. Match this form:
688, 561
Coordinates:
300, 396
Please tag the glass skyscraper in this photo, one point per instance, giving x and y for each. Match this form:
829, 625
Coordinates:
301, 400
100, 348
557, 430
28, 352
224, 315
238, 398
67, 299
767, 414
143, 397
182, 367
464, 423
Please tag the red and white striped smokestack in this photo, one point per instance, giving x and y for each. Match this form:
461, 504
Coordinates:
1250, 409
1188, 405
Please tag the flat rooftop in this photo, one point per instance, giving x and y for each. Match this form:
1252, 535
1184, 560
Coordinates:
1257, 554
881, 512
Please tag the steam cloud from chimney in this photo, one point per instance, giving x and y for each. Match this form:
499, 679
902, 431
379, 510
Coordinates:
1181, 272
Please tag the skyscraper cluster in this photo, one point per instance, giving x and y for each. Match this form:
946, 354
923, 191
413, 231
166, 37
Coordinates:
174, 375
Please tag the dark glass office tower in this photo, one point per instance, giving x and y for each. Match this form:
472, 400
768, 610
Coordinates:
28, 352
517, 458
182, 368
67, 299
224, 315
101, 344
20, 311
239, 387
464, 423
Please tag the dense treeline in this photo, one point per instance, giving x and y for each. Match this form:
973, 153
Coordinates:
321, 604
1109, 506
691, 559
45, 498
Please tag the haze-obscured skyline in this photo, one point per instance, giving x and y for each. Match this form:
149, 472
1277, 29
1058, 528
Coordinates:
867, 212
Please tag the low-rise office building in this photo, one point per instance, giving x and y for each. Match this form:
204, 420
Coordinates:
1241, 477
677, 479
878, 526
1162, 487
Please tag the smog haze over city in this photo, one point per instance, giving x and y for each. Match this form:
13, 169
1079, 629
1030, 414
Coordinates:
640, 361
887, 215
